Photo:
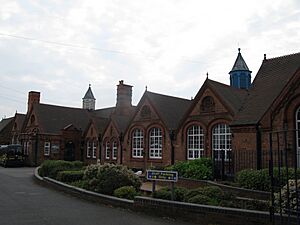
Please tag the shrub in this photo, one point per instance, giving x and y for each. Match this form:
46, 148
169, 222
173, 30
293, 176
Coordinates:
200, 169
254, 179
108, 177
211, 192
260, 179
70, 176
127, 192
166, 193
201, 199
80, 183
286, 196
50, 168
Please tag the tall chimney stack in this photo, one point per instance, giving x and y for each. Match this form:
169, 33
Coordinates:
124, 96
33, 98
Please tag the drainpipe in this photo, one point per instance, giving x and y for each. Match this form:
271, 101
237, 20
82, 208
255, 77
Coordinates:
258, 148
100, 146
172, 138
121, 147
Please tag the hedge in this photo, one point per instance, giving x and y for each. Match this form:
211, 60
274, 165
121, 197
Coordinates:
70, 176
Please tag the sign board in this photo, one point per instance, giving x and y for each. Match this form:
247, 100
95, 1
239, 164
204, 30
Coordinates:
160, 175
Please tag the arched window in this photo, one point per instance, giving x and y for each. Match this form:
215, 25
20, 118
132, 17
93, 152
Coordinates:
155, 143
107, 150
137, 143
195, 142
221, 140
114, 150
298, 135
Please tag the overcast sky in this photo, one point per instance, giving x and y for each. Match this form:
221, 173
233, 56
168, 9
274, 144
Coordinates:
59, 47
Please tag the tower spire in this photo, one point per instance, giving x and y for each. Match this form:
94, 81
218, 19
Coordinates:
89, 101
240, 75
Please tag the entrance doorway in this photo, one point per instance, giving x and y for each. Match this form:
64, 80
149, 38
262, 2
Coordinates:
69, 154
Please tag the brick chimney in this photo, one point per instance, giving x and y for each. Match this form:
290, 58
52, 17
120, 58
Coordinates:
33, 98
124, 95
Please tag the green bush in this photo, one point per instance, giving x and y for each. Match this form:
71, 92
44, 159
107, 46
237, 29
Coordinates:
201, 199
80, 183
50, 168
260, 179
200, 169
108, 177
214, 193
127, 192
70, 176
166, 193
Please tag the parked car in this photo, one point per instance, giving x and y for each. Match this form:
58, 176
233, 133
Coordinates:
11, 155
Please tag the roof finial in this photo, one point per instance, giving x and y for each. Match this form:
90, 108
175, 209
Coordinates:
207, 75
265, 56
89, 85
146, 88
239, 50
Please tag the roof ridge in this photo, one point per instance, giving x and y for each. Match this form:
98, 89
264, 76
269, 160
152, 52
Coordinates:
168, 96
283, 56
59, 106
228, 86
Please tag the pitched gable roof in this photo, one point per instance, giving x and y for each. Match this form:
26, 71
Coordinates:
5, 122
52, 118
269, 82
234, 97
170, 109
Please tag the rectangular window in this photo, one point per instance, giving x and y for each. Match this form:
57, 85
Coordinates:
107, 150
115, 150
138, 144
88, 149
94, 149
47, 148
155, 143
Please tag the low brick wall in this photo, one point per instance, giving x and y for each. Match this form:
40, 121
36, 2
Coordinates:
204, 215
201, 214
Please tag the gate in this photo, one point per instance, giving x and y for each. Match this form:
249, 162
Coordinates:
284, 177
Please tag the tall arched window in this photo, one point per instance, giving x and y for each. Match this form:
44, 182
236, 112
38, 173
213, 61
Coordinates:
114, 150
107, 150
195, 142
221, 140
155, 143
137, 143
298, 135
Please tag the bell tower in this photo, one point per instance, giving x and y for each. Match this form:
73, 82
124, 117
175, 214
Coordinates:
89, 101
240, 75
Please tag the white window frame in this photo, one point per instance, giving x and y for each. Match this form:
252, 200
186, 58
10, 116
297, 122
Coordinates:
195, 142
138, 143
114, 150
88, 149
221, 140
107, 150
94, 149
47, 146
155, 143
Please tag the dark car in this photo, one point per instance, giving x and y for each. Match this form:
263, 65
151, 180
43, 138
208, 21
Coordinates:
11, 155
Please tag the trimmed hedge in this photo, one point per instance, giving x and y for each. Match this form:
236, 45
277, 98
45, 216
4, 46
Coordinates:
70, 176
200, 169
260, 179
127, 192
50, 168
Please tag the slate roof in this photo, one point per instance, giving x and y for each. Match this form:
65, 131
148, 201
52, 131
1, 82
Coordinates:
52, 118
233, 97
239, 64
122, 121
170, 109
100, 123
270, 80
5, 122
105, 113
89, 94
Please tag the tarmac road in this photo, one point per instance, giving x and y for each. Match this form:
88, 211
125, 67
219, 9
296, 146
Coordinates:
23, 202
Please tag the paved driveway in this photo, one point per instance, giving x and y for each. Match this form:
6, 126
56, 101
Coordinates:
23, 202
